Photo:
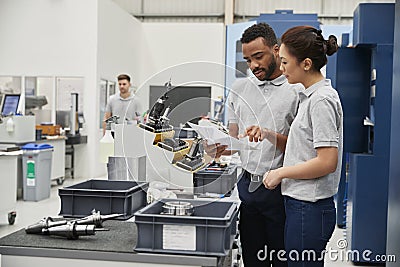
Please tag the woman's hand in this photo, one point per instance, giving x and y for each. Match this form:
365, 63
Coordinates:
272, 179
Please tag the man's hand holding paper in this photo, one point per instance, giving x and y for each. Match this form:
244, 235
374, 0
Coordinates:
214, 135
255, 133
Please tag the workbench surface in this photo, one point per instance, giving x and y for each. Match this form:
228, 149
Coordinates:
117, 244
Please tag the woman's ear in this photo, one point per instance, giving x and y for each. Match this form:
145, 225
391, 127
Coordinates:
307, 64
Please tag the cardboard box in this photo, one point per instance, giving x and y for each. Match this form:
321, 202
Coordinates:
49, 129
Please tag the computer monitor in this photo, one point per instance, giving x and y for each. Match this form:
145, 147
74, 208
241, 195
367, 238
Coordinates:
9, 104
187, 103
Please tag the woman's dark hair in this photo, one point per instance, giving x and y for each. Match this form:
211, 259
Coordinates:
307, 42
259, 30
124, 77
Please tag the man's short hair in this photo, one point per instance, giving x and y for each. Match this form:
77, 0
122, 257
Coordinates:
124, 77
259, 30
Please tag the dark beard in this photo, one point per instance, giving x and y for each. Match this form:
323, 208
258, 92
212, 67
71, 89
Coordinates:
269, 71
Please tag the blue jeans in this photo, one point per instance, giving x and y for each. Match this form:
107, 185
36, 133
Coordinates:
308, 228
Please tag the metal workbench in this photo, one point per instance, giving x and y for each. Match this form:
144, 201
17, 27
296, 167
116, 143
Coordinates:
110, 248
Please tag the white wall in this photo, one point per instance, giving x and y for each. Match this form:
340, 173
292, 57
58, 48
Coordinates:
119, 47
91, 39
188, 53
119, 42
96, 39
53, 38
46, 37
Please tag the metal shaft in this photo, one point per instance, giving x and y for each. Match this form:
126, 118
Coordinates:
71, 230
45, 223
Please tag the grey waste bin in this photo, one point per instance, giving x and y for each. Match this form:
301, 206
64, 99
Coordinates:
36, 166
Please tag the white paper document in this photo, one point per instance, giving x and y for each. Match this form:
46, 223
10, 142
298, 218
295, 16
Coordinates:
214, 135
179, 237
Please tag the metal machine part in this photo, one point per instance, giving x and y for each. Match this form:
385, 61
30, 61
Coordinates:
194, 159
158, 120
190, 164
155, 128
173, 144
72, 230
110, 120
46, 223
73, 116
178, 208
96, 219
196, 150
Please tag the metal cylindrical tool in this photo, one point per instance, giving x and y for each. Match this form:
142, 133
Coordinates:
44, 223
180, 208
96, 219
72, 230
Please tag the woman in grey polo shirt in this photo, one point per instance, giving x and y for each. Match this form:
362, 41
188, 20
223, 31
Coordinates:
312, 163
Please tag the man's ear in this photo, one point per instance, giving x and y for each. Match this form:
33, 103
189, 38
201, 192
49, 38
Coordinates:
275, 48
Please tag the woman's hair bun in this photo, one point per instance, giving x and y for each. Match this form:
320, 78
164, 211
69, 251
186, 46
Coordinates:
331, 45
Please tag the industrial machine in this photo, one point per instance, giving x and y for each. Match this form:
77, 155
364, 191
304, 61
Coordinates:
194, 159
157, 120
17, 129
355, 96
135, 142
71, 120
363, 79
76, 118
32, 102
155, 140
173, 144
169, 159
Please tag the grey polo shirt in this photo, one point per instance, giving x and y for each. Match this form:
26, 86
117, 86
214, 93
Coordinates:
127, 109
269, 104
319, 123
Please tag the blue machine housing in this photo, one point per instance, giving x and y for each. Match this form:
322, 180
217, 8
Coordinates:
351, 82
281, 21
367, 147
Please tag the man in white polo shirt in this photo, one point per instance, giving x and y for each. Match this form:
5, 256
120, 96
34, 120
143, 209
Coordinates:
123, 104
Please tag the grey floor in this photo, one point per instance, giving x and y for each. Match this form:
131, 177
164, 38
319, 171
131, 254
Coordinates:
31, 212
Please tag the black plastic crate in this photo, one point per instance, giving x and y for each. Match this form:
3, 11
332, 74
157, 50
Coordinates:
108, 197
210, 229
211, 180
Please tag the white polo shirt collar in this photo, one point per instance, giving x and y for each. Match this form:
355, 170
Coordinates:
277, 81
306, 93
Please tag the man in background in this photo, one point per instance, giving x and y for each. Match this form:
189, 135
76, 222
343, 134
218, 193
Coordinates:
123, 104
